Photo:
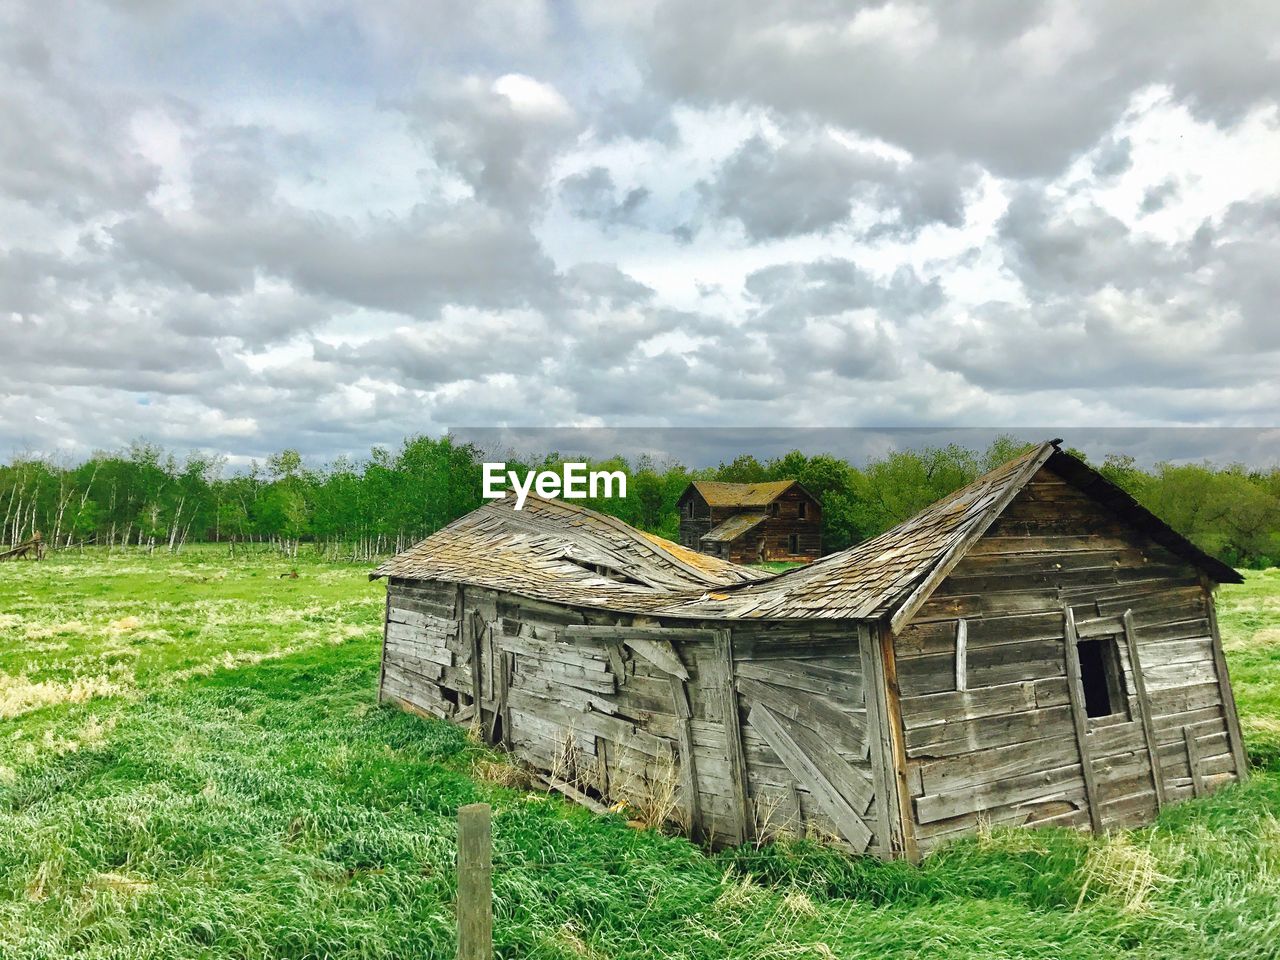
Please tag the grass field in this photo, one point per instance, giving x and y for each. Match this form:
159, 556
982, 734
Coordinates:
192, 765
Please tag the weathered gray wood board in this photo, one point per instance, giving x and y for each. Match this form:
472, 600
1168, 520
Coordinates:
1075, 692
819, 770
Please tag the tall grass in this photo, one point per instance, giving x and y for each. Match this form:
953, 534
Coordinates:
240, 795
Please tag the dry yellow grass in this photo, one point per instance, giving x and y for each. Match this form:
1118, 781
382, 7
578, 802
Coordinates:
125, 884
92, 733
43, 631
1121, 870
1268, 637
738, 894
20, 694
1007, 839
502, 773
569, 936
1261, 726
798, 902
234, 661
45, 877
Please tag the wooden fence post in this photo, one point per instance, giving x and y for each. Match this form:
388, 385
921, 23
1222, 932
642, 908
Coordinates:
475, 883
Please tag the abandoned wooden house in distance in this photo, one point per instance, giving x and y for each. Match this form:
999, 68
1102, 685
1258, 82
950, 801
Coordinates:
751, 522
1034, 649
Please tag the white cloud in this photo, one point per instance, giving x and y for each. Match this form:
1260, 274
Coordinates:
326, 225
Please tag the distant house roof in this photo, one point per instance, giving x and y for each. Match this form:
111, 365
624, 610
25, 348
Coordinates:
719, 494
734, 527
571, 555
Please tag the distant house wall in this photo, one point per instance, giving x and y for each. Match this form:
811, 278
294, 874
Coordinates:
778, 530
696, 518
1006, 748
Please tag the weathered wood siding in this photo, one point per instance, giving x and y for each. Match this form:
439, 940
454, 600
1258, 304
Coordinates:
776, 531
591, 712
695, 518
1004, 748
813, 768
752, 733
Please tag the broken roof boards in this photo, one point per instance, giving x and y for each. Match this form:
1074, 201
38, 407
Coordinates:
886, 696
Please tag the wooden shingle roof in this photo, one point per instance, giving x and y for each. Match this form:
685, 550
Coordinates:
893, 574
733, 528
719, 494
552, 550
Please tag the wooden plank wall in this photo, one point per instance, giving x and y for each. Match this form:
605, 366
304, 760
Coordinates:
662, 711
800, 690
776, 531
592, 711
425, 660
1004, 749
692, 528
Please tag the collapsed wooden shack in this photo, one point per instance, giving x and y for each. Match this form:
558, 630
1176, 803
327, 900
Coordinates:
1035, 649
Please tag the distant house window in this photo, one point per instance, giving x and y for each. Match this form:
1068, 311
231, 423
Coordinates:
793, 543
688, 509
800, 508
773, 509
1101, 677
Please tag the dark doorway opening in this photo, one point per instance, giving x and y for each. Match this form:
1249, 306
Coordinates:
1101, 677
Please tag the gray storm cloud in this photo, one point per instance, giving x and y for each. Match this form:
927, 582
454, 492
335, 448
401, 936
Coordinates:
216, 231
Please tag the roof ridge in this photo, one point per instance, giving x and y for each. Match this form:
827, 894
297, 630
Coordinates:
1034, 460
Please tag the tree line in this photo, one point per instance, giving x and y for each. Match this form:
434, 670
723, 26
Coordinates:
145, 496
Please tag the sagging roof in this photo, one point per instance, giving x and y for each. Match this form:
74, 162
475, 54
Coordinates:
719, 494
733, 528
575, 556
872, 579
552, 550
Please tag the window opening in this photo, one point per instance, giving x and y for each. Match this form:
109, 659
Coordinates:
1101, 677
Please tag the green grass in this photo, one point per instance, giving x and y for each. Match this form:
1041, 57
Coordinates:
192, 765
777, 566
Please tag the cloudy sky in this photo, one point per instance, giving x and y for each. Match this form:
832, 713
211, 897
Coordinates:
241, 226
